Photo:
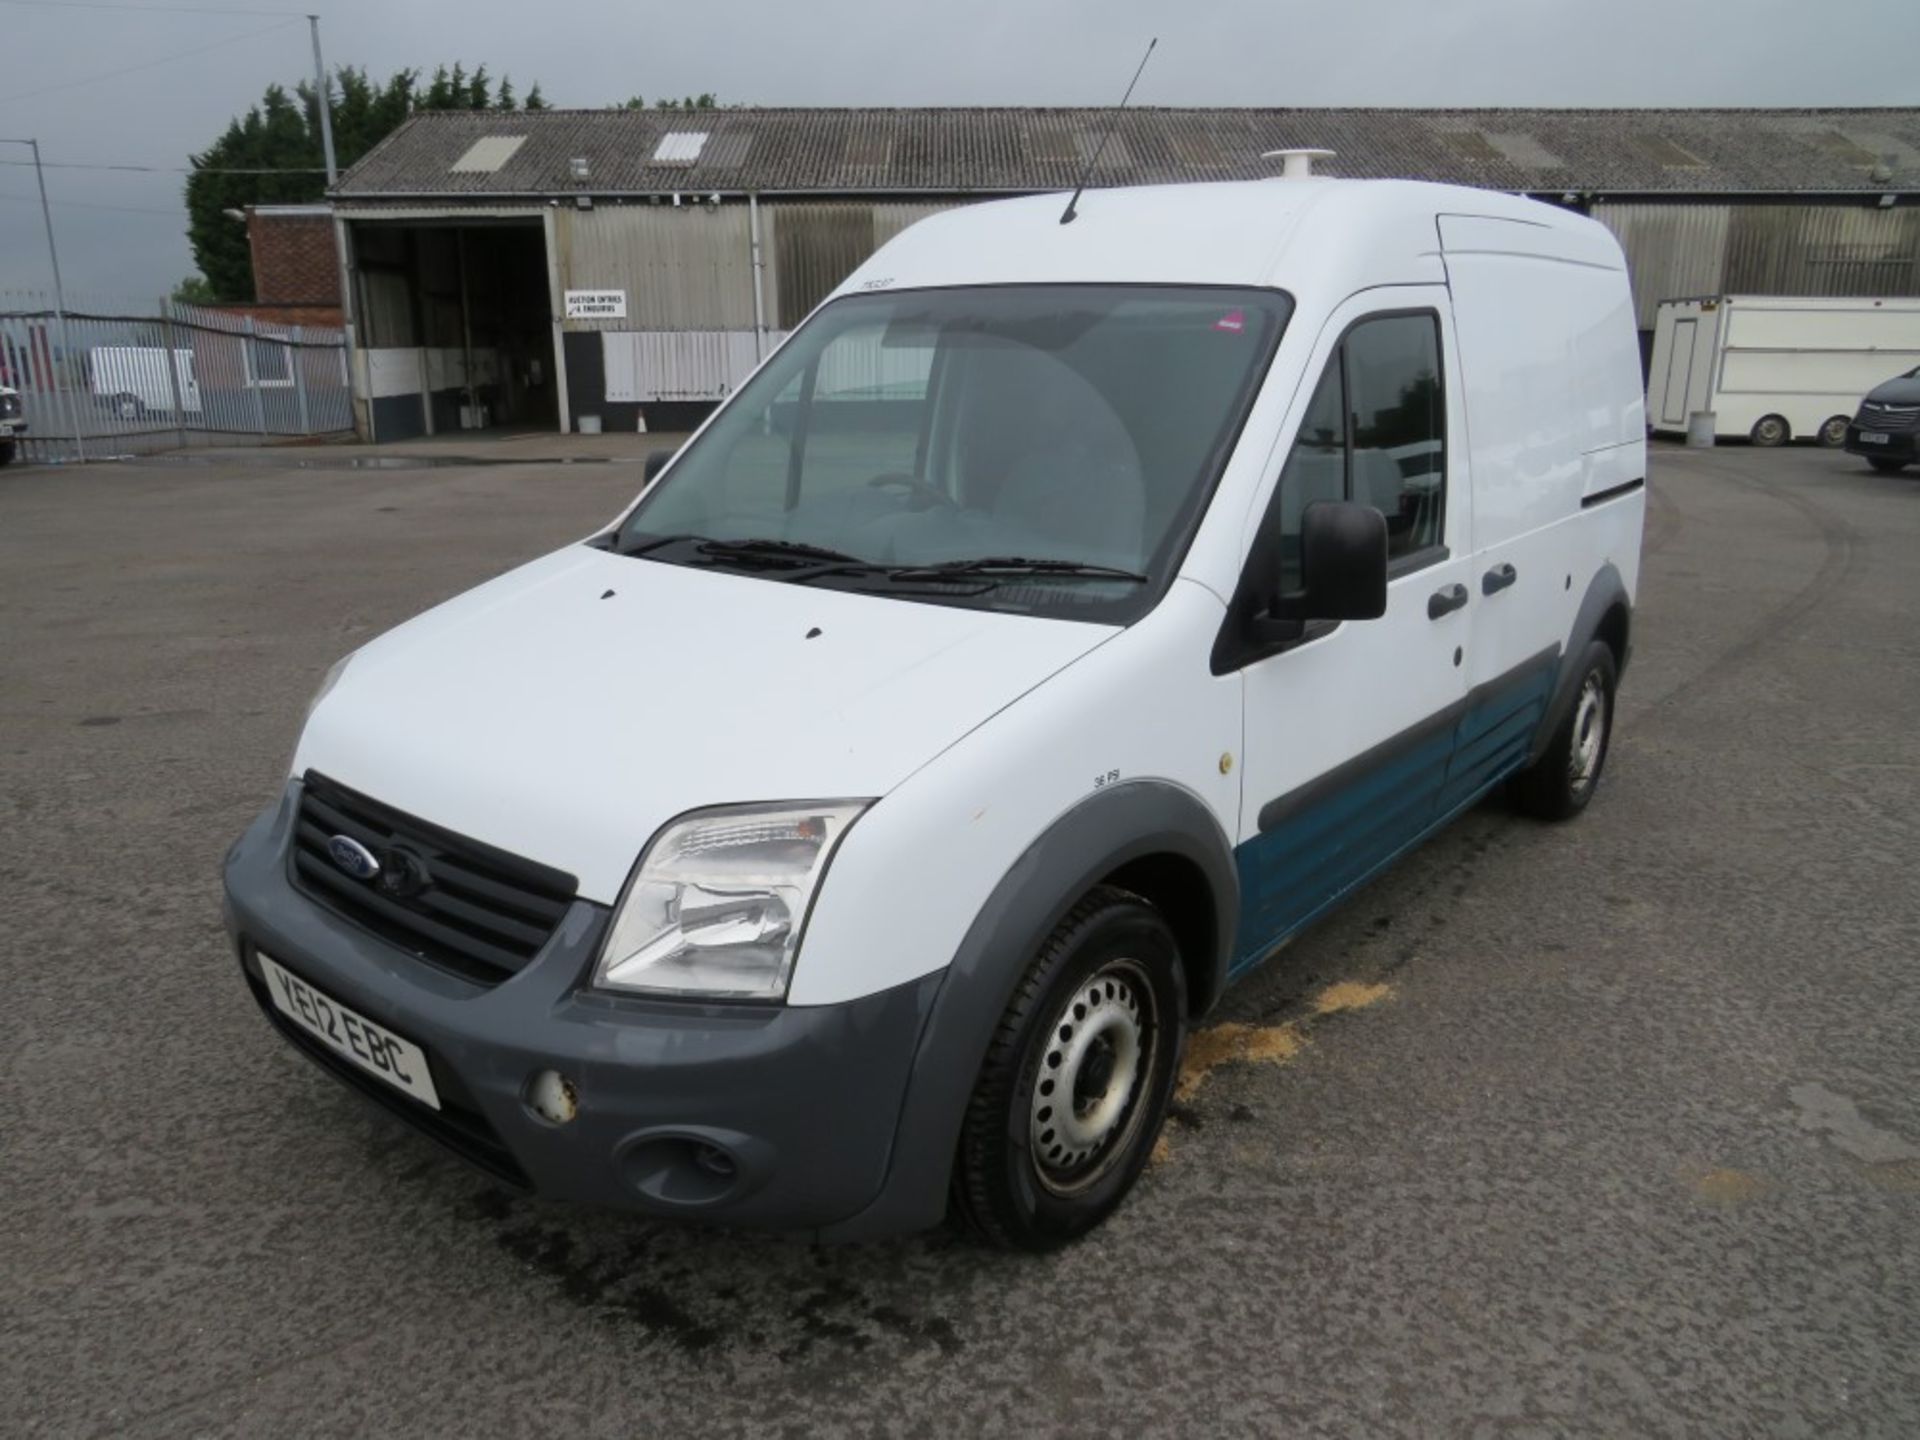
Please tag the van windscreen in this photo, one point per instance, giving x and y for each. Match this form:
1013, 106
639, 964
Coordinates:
916, 443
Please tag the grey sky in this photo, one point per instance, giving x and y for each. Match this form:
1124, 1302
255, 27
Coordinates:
862, 52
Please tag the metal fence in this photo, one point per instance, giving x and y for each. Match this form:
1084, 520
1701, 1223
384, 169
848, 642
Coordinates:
107, 381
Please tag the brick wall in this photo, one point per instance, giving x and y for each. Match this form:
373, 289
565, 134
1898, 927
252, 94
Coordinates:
287, 316
294, 262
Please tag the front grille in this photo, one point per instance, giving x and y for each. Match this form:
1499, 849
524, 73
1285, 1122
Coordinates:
463, 906
1878, 415
457, 1124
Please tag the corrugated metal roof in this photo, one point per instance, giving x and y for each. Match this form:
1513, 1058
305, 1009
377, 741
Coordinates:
958, 151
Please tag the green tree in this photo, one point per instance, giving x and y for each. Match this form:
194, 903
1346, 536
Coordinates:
703, 101
194, 290
279, 139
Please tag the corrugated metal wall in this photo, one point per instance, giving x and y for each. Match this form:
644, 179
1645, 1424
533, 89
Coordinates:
1687, 250
687, 272
1672, 250
687, 267
811, 247
680, 365
1824, 250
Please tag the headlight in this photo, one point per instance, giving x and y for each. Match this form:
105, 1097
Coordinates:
716, 906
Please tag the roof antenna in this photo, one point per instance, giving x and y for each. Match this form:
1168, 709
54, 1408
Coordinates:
1067, 216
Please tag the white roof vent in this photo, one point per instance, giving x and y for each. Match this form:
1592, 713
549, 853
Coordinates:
1296, 164
679, 147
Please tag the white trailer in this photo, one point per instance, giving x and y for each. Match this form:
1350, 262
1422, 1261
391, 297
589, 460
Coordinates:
132, 379
1776, 368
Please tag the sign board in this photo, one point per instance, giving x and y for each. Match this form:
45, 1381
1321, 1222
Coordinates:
596, 304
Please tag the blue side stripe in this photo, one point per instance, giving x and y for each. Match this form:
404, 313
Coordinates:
1291, 873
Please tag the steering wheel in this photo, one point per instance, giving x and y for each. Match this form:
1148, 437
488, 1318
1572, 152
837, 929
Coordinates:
930, 495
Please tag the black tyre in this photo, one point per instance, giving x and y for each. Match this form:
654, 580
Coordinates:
1075, 1084
6, 452
1833, 434
1770, 430
1886, 466
1559, 784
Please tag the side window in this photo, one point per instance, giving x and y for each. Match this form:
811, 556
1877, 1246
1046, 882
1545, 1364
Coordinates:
1373, 432
1397, 427
1316, 467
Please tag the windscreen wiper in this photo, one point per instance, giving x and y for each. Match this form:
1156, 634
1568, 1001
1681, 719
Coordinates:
763, 548
770, 548
645, 544
1019, 565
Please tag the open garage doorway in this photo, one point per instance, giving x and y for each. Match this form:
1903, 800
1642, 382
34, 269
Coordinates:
455, 327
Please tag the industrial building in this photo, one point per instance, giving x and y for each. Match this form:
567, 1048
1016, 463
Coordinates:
614, 268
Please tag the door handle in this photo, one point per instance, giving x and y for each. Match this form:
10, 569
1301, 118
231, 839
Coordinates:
1497, 579
1445, 602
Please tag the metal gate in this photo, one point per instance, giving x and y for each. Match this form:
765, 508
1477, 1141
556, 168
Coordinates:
105, 381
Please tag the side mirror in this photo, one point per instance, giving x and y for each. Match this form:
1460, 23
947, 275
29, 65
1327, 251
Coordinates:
656, 462
1343, 565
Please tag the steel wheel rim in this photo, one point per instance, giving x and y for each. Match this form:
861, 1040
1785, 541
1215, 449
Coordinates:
1834, 432
1589, 735
1770, 432
1085, 1106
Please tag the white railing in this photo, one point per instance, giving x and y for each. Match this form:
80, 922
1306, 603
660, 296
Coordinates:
111, 379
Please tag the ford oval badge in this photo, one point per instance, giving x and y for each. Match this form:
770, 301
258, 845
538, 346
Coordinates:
353, 857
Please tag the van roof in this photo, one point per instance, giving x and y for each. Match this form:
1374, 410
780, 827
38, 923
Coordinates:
1284, 233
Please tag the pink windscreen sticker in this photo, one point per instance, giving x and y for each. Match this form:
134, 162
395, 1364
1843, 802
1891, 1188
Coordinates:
1234, 321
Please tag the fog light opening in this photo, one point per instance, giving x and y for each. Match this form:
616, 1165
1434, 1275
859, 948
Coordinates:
552, 1097
714, 1161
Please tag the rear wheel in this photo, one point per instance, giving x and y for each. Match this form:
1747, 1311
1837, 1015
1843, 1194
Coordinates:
1886, 466
1770, 430
1833, 434
1075, 1084
1559, 784
128, 407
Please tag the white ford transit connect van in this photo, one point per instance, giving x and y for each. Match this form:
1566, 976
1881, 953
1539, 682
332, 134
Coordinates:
1061, 619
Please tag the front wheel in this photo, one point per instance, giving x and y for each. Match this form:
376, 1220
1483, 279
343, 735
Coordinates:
1075, 1084
1886, 466
1770, 430
1559, 784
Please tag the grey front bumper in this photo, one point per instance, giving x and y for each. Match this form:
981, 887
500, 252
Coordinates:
805, 1100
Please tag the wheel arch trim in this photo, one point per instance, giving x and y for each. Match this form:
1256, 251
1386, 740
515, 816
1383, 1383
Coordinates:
1107, 830
1606, 595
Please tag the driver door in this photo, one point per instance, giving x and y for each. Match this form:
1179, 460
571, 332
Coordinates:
1348, 731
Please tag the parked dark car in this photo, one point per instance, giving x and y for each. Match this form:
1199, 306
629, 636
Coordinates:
1887, 428
12, 426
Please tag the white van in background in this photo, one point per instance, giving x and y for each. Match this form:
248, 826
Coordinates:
1775, 368
133, 380
854, 830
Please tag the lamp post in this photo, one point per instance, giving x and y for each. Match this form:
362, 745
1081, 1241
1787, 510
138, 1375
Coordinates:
323, 97
59, 301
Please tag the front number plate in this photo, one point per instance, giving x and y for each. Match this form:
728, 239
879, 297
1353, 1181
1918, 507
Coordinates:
373, 1048
1870, 437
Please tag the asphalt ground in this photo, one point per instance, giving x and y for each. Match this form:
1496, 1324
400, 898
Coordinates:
1610, 1128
